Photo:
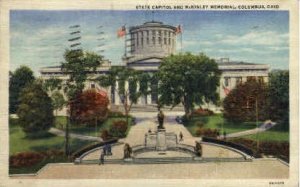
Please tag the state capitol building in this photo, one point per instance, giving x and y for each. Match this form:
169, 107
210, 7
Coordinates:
150, 43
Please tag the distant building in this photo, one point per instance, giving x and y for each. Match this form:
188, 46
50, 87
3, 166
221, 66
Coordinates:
149, 44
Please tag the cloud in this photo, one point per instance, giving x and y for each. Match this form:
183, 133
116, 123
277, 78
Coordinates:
258, 38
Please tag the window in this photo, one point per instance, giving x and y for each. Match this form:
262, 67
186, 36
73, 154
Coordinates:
169, 41
153, 33
238, 80
159, 40
165, 41
226, 81
261, 79
153, 40
93, 85
250, 78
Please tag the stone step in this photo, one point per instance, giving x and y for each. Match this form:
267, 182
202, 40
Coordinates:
169, 160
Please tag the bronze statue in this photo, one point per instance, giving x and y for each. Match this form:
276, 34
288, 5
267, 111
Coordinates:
198, 149
160, 118
127, 151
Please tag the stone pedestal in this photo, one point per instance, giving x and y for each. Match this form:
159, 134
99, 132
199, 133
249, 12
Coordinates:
161, 143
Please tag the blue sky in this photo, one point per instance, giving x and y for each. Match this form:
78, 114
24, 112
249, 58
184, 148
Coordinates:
39, 38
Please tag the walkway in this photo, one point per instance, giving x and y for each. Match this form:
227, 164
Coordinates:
59, 132
264, 127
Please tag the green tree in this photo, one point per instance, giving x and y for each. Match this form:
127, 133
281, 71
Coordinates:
188, 79
278, 106
58, 101
246, 102
52, 84
78, 65
17, 81
35, 110
126, 88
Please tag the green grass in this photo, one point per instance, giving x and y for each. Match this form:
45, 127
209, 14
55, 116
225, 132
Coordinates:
89, 131
216, 121
18, 142
270, 135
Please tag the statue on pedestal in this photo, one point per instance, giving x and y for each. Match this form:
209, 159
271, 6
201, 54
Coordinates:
198, 149
127, 151
160, 118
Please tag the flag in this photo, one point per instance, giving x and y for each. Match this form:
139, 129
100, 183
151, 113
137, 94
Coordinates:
226, 90
178, 29
121, 31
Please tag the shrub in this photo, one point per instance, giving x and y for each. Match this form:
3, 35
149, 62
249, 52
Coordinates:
277, 149
105, 135
207, 132
199, 124
89, 106
25, 159
118, 129
35, 110
115, 114
202, 112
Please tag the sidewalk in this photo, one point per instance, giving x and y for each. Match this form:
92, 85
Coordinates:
59, 132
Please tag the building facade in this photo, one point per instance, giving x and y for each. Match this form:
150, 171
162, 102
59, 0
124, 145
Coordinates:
149, 44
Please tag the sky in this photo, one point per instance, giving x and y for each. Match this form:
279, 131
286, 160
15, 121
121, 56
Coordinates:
39, 38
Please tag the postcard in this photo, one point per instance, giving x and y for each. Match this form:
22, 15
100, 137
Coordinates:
164, 93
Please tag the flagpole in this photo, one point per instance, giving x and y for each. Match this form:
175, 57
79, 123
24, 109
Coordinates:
125, 51
181, 41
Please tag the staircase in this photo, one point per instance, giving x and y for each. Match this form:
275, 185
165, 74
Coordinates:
167, 160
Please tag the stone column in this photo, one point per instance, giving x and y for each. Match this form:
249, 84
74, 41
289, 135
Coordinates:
117, 97
139, 102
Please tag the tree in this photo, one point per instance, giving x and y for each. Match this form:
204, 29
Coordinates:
17, 81
126, 79
278, 106
58, 101
188, 79
35, 110
246, 102
78, 65
52, 84
90, 106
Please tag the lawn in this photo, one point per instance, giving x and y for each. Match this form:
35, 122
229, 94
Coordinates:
271, 135
216, 121
18, 142
90, 131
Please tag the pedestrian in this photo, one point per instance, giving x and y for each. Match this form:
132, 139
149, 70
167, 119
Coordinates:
105, 149
180, 136
109, 149
101, 160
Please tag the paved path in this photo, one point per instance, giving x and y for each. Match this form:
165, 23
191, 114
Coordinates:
258, 169
59, 132
263, 127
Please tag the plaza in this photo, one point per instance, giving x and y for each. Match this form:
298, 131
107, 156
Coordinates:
233, 165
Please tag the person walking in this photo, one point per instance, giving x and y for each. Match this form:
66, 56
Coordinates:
180, 136
101, 161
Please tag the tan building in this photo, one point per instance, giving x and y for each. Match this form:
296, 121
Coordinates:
149, 44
